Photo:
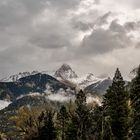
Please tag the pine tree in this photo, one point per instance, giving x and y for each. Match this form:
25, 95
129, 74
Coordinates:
101, 125
115, 108
72, 128
135, 99
81, 112
79, 123
62, 118
48, 131
97, 122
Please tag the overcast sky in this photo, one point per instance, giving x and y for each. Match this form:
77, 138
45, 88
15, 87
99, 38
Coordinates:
91, 35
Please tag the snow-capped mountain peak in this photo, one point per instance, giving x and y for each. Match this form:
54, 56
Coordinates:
16, 77
67, 76
90, 76
65, 67
86, 80
65, 72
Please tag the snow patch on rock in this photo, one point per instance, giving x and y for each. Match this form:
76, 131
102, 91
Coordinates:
3, 104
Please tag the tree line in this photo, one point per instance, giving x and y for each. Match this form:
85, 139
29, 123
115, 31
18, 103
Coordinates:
118, 118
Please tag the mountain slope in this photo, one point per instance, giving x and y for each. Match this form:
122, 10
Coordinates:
99, 87
63, 78
34, 83
88, 82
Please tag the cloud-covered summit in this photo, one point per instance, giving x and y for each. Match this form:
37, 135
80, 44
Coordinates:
92, 35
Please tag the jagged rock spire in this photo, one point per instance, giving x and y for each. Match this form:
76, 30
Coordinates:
65, 72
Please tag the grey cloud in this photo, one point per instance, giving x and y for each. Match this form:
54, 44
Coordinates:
115, 27
15, 12
15, 59
17, 17
135, 4
130, 26
138, 45
52, 35
133, 25
104, 41
27, 45
13, 54
103, 19
85, 21
18, 34
93, 19
97, 1
50, 40
63, 4
80, 25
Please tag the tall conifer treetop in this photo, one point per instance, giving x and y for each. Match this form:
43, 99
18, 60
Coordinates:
116, 108
118, 77
135, 99
81, 98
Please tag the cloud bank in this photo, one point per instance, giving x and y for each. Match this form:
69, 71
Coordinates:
92, 35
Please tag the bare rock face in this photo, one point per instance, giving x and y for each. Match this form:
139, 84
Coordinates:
65, 72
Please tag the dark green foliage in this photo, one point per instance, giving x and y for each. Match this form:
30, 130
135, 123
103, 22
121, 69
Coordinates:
135, 98
82, 114
72, 128
79, 126
63, 119
116, 108
97, 115
101, 125
48, 131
